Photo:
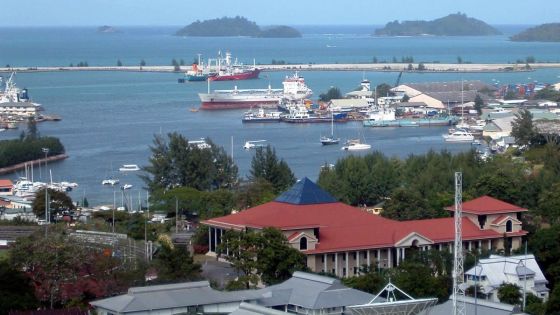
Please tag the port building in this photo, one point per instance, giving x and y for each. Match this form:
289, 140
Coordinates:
339, 239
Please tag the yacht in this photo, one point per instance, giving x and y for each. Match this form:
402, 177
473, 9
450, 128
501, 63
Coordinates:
111, 181
254, 144
129, 168
459, 135
126, 186
355, 145
201, 144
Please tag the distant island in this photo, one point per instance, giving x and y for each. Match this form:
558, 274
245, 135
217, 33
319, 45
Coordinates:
106, 29
543, 33
236, 26
452, 25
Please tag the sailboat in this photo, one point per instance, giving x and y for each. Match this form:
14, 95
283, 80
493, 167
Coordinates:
325, 140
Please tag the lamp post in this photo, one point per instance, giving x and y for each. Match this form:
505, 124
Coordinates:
46, 151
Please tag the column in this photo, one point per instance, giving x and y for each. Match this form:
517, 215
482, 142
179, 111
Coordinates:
403, 252
378, 260
358, 261
346, 264
470, 246
451, 247
336, 264
389, 257
215, 240
325, 256
489, 244
398, 256
209, 238
368, 260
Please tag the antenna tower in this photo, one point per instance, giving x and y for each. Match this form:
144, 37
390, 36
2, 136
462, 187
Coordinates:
458, 271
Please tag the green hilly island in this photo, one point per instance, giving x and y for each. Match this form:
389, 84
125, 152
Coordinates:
543, 33
452, 25
236, 26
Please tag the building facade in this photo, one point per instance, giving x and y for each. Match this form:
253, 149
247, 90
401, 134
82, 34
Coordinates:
339, 239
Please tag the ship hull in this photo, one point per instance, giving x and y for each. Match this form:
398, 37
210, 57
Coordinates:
214, 105
409, 122
252, 74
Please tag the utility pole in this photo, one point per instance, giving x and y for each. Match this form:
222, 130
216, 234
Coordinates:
458, 272
176, 215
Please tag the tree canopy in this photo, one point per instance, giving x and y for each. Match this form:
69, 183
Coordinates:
176, 163
58, 202
175, 264
522, 128
266, 166
331, 94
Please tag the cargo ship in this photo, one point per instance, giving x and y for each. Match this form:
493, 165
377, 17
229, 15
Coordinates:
294, 89
232, 70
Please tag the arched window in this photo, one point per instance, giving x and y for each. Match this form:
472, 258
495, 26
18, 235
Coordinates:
509, 226
303, 243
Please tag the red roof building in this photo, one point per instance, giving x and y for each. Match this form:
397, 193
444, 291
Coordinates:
6, 187
339, 238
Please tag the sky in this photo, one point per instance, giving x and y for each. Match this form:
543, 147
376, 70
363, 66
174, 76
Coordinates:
265, 12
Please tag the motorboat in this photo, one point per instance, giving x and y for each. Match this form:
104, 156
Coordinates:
261, 116
201, 144
254, 144
111, 181
355, 145
500, 110
129, 168
126, 186
459, 135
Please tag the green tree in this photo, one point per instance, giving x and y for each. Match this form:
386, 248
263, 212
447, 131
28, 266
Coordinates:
119, 63
58, 201
332, 93
176, 66
459, 60
176, 163
534, 305
32, 133
176, 264
478, 104
142, 63
241, 253
406, 204
368, 281
522, 128
383, 89
421, 67
266, 166
553, 303
509, 293
16, 291
549, 204
546, 248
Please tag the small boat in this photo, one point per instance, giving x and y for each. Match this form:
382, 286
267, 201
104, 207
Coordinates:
500, 110
261, 116
355, 145
328, 140
201, 144
111, 181
126, 186
193, 109
459, 135
254, 144
129, 168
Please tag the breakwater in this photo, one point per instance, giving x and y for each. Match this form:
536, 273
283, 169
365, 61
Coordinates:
374, 67
20, 166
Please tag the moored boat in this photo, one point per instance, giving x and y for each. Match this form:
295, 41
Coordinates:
232, 70
129, 168
355, 145
459, 135
261, 116
253, 144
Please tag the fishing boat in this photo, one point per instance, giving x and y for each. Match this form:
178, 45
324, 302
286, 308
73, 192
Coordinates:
248, 98
227, 70
459, 135
261, 116
129, 168
253, 144
355, 145
328, 140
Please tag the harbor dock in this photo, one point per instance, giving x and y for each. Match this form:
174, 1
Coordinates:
375, 67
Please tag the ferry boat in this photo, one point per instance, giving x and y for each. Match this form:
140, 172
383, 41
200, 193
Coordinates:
261, 116
129, 168
268, 98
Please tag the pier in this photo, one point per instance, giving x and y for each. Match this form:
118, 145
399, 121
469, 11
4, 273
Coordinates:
20, 166
374, 67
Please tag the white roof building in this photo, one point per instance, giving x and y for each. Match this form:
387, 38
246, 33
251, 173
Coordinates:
496, 270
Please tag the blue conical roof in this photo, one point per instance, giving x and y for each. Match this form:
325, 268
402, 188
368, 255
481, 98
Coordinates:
305, 192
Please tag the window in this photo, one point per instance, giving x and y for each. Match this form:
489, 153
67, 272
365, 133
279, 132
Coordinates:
322, 258
482, 221
509, 226
365, 254
333, 257
355, 270
354, 255
344, 257
343, 271
303, 243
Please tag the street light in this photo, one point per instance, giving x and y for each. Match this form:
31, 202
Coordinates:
46, 151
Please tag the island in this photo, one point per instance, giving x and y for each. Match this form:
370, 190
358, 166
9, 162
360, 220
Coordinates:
543, 33
106, 29
236, 26
452, 25
280, 32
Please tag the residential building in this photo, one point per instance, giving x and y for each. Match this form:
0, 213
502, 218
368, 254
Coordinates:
521, 270
339, 239
6, 187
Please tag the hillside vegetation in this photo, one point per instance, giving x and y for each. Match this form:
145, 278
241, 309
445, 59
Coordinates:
236, 26
452, 25
542, 33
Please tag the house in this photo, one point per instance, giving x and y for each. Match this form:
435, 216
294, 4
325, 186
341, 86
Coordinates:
6, 187
498, 128
521, 270
303, 293
339, 239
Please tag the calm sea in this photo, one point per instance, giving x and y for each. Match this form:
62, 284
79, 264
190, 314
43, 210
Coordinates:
110, 118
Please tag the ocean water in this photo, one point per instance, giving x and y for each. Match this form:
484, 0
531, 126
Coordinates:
110, 118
